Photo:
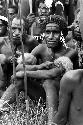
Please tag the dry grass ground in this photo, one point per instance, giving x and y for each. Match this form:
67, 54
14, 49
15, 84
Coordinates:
37, 114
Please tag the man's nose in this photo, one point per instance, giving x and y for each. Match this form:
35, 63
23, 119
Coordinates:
43, 10
51, 35
77, 29
17, 31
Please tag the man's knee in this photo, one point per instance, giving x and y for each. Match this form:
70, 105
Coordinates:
2, 58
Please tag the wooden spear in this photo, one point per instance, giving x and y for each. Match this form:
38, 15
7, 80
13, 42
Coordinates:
30, 4
13, 57
25, 76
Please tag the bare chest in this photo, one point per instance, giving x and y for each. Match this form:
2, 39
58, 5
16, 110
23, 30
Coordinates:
50, 56
77, 98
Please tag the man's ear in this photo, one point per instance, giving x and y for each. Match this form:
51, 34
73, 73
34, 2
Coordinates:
44, 41
61, 34
38, 10
7, 28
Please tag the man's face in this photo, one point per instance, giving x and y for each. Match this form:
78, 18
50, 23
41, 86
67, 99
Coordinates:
16, 30
1, 7
43, 10
66, 2
52, 35
2, 27
11, 12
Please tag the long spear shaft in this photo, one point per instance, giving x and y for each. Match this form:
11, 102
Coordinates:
25, 76
30, 4
13, 57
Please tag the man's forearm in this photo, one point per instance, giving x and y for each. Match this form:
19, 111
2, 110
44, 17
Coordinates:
32, 67
28, 67
45, 74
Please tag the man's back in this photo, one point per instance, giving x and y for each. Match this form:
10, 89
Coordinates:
71, 99
76, 105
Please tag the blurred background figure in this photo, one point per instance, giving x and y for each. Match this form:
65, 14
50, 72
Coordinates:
37, 21
3, 26
13, 10
2, 8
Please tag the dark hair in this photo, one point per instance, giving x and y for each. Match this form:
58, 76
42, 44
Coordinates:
4, 22
36, 5
40, 1
14, 7
5, 28
60, 20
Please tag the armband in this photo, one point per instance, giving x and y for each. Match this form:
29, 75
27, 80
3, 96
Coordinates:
64, 62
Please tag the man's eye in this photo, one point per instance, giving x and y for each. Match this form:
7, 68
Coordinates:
19, 29
77, 22
13, 28
55, 32
48, 32
1, 25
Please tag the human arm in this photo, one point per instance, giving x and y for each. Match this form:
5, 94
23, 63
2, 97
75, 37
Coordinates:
28, 67
39, 50
66, 88
72, 54
42, 74
50, 70
45, 65
30, 20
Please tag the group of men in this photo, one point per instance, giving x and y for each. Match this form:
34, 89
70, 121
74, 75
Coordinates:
47, 63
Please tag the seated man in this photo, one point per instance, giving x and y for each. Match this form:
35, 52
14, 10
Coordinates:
55, 61
70, 110
29, 42
6, 67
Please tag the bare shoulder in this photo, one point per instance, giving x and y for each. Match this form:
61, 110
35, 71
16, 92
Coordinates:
39, 49
70, 52
73, 55
72, 74
3, 38
71, 78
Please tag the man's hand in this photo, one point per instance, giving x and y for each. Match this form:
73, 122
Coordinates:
46, 65
18, 53
6, 48
19, 67
31, 18
19, 74
2, 58
29, 59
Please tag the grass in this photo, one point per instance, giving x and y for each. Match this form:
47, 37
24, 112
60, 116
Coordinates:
37, 114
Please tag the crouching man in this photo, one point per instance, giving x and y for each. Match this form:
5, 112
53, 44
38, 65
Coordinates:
58, 55
56, 60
